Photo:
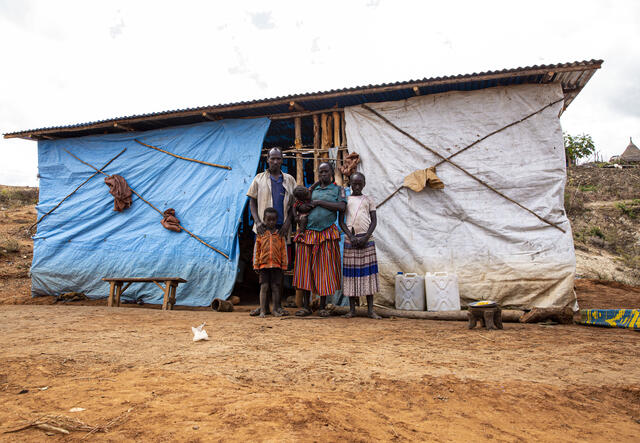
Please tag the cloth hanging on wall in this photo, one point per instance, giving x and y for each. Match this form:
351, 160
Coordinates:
120, 190
170, 221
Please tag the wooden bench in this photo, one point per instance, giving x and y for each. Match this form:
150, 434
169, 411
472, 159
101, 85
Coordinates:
171, 283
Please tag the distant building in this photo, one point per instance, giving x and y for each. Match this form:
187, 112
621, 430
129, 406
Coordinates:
631, 154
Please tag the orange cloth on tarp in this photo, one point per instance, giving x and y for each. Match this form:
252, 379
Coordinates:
349, 164
120, 190
417, 180
170, 221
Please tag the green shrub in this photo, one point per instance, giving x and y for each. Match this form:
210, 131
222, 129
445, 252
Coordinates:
631, 210
595, 231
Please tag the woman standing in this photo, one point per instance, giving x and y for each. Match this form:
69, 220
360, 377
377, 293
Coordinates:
318, 266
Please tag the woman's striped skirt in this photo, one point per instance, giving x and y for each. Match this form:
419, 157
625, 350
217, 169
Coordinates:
317, 267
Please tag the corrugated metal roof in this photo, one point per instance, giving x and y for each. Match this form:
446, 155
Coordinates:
572, 76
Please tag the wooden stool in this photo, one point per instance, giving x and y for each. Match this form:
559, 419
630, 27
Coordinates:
488, 312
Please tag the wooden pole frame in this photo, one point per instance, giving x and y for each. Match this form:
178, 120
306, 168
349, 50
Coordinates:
316, 146
325, 123
336, 142
297, 123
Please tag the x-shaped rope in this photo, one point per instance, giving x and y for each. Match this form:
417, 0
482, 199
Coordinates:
98, 171
448, 159
81, 185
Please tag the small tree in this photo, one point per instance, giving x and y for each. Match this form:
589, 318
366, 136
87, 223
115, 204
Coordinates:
578, 146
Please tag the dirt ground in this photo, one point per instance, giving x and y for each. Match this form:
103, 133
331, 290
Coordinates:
138, 375
601, 294
312, 379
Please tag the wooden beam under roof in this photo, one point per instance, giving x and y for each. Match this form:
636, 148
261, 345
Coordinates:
123, 127
294, 106
211, 117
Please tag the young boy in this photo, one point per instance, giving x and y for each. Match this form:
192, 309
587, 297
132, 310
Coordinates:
360, 266
270, 260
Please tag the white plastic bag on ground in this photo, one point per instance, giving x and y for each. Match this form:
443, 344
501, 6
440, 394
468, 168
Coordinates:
199, 333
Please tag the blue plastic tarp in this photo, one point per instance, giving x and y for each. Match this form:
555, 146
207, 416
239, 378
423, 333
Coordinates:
85, 239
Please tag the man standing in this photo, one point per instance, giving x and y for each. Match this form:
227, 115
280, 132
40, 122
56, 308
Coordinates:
272, 189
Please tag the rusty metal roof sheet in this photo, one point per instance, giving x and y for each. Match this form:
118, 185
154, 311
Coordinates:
572, 76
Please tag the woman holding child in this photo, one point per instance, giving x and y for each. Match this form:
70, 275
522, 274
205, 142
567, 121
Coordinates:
318, 265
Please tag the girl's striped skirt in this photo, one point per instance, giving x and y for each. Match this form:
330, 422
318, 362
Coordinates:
360, 270
317, 267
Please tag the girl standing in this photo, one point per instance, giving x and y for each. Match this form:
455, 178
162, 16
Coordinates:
360, 266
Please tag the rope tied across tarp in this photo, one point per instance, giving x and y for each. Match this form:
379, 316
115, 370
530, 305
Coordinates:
121, 192
156, 209
448, 159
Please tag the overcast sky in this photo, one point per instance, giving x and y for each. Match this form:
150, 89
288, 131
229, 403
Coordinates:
68, 62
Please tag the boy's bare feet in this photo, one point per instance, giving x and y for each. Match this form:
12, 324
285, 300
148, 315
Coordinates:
262, 315
256, 312
349, 315
374, 316
280, 313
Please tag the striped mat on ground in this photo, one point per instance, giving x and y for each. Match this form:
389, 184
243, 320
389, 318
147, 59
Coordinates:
611, 318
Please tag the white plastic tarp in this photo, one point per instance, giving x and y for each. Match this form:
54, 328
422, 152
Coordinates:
498, 250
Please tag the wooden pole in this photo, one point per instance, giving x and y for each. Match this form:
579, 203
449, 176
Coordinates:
336, 142
508, 315
290, 115
343, 127
326, 135
112, 293
118, 293
296, 106
165, 299
299, 180
180, 157
123, 127
316, 146
298, 145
